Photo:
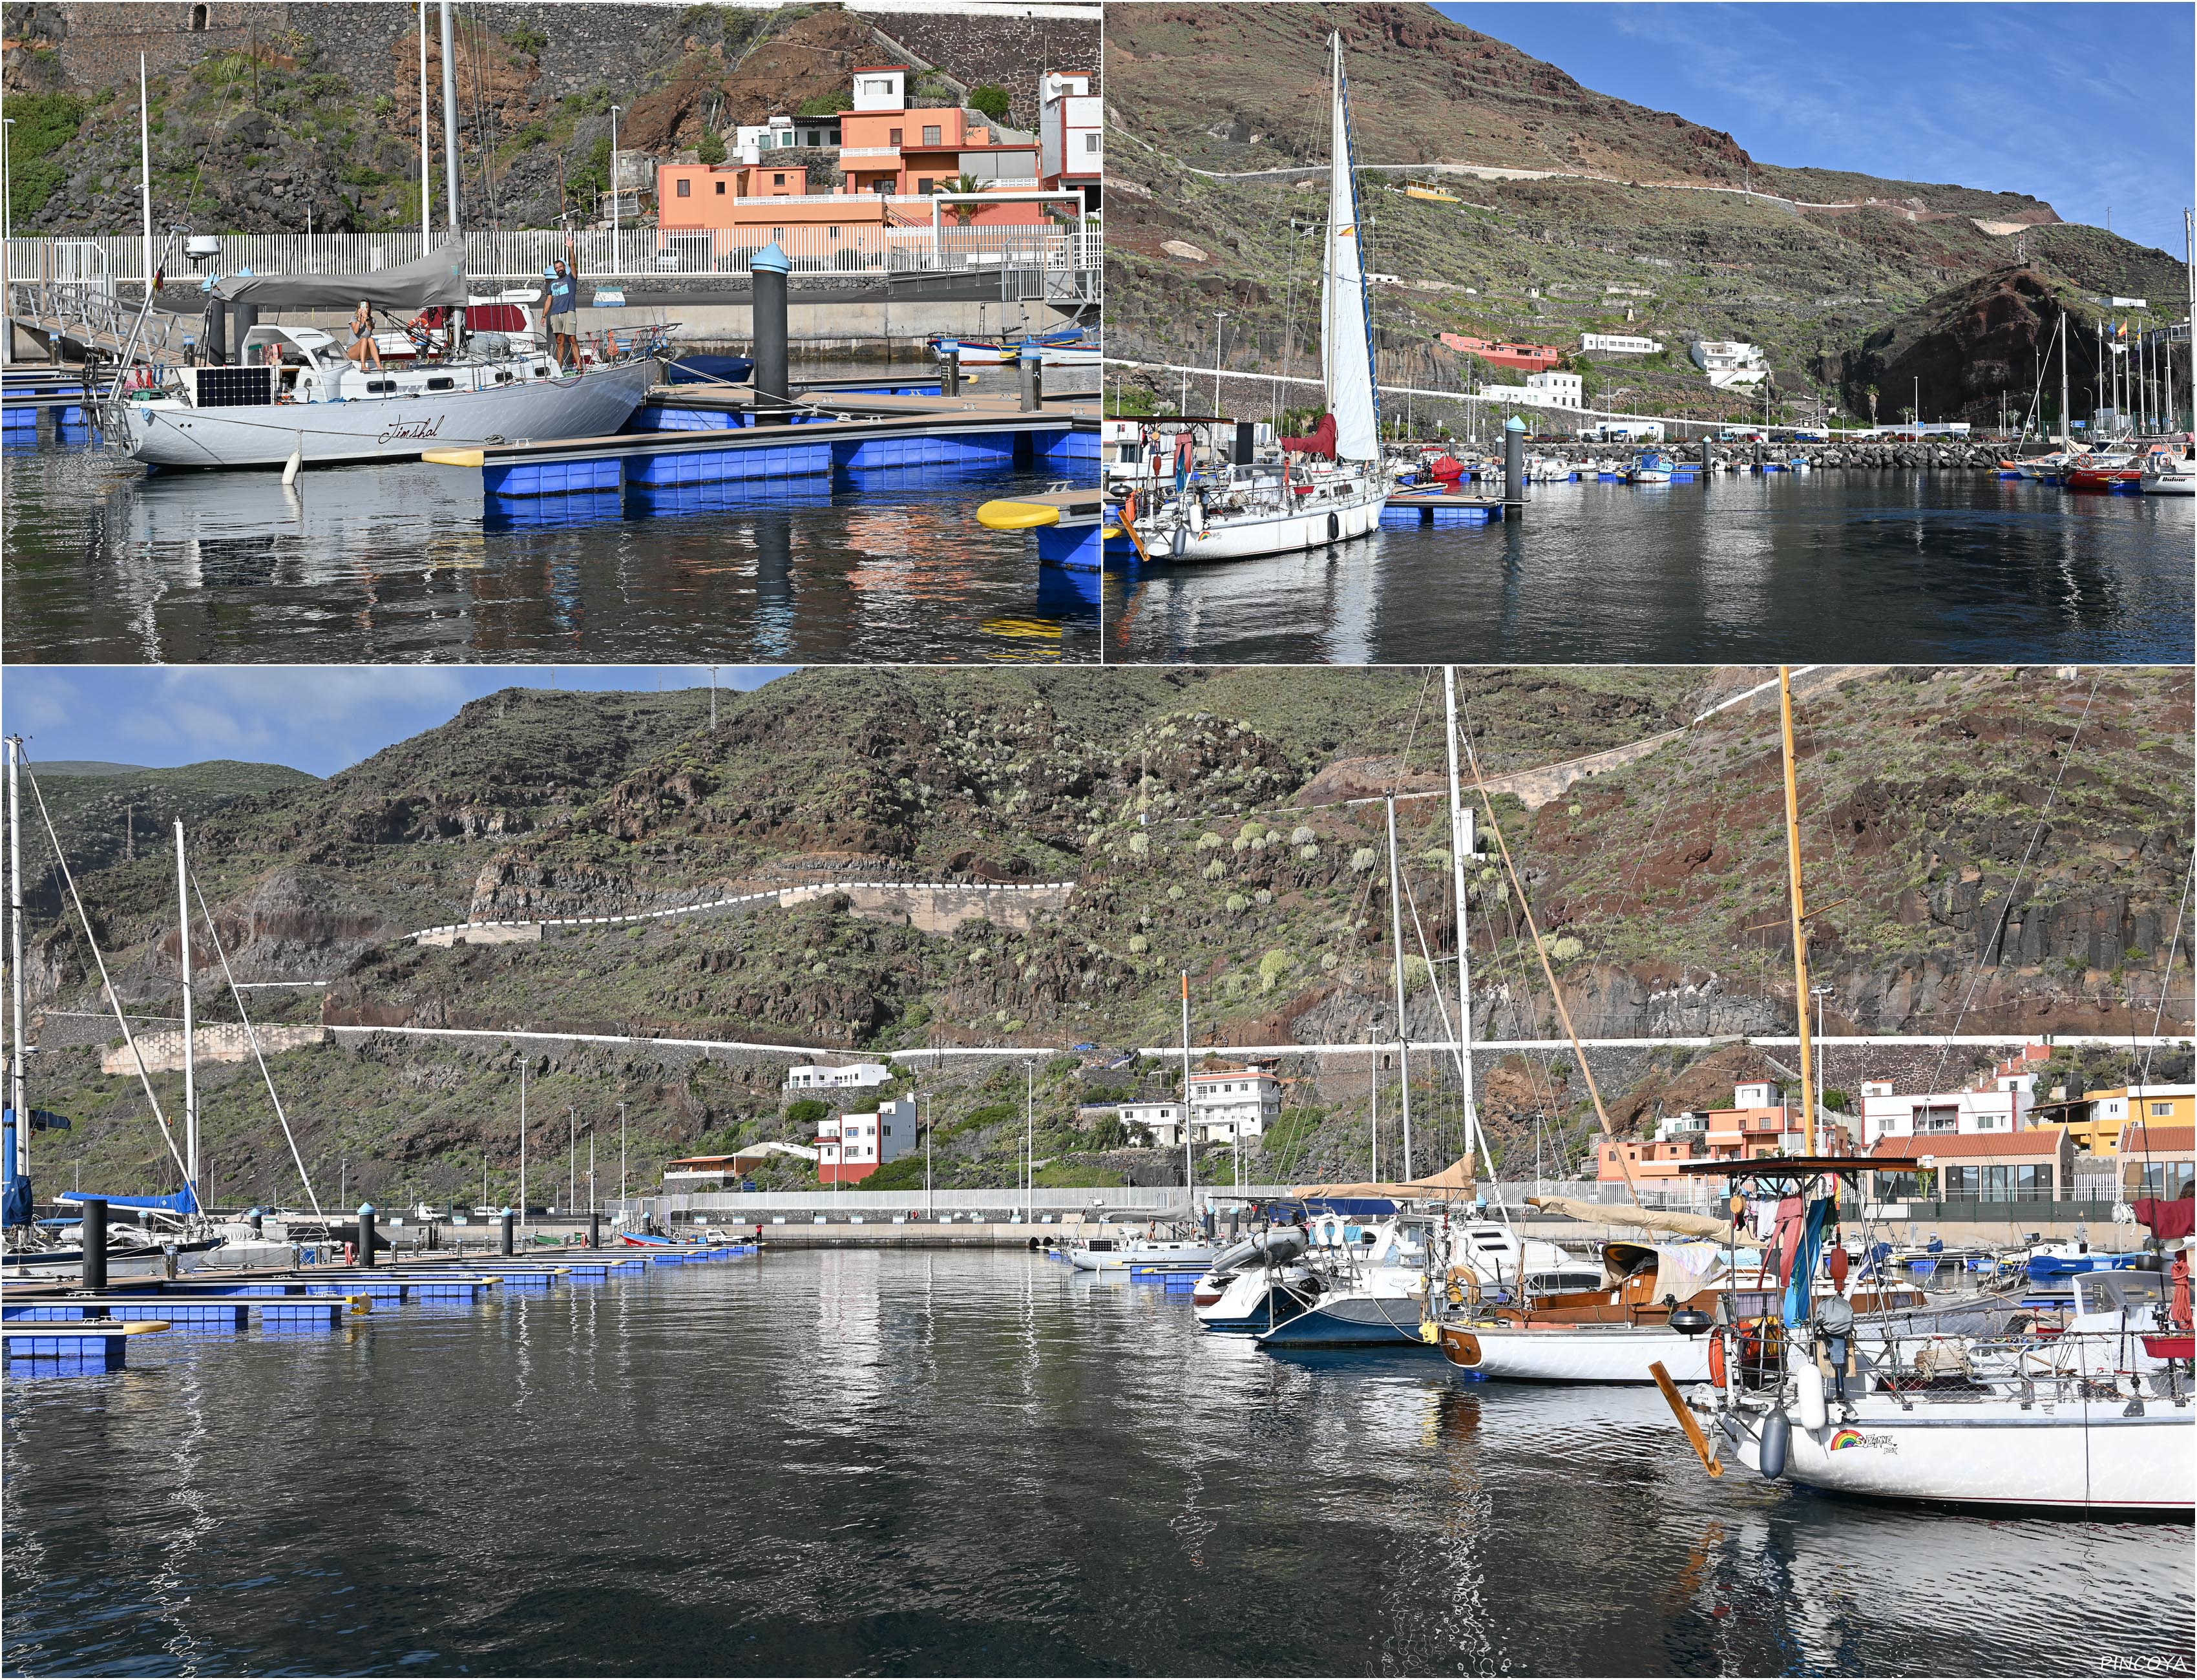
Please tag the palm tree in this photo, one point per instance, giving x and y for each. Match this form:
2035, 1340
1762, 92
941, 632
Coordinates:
1870, 392
963, 213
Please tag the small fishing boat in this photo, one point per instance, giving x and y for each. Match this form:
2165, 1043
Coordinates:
1062, 348
2103, 475
1651, 469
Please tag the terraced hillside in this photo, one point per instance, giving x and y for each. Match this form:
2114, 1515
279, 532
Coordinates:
1631, 222
1991, 850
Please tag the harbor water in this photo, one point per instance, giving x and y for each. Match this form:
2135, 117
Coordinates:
410, 562
897, 1462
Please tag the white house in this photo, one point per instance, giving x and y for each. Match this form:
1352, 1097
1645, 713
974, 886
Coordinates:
880, 87
854, 1076
1072, 120
782, 134
1541, 391
1618, 344
1729, 363
1162, 1120
852, 1146
2002, 1106
1236, 1103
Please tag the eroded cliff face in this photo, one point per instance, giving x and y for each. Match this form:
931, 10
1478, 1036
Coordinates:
1984, 851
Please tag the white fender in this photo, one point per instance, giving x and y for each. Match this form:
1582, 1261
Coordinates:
1814, 1414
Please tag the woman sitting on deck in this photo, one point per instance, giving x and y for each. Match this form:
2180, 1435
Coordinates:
363, 350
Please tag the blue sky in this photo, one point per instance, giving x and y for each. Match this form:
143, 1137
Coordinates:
315, 718
2086, 106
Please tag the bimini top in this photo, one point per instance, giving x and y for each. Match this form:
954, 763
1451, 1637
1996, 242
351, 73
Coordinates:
439, 277
1798, 1166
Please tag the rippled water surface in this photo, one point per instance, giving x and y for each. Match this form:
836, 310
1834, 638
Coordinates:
407, 562
970, 1462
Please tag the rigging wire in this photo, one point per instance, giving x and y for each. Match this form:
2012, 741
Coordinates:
107, 985
252, 1035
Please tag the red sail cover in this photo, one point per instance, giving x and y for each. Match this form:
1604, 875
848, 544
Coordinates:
2165, 1220
1321, 442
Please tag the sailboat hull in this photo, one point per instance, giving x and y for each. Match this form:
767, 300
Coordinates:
1286, 532
1577, 1353
1352, 1321
593, 403
2087, 1456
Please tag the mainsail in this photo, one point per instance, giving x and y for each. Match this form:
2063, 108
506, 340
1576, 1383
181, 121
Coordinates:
1346, 328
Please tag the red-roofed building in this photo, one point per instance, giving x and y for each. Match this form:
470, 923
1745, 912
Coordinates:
2035, 1165
1533, 358
2156, 1159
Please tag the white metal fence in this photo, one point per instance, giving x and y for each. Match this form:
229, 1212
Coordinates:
634, 253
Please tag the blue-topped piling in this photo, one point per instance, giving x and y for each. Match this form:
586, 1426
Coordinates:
767, 273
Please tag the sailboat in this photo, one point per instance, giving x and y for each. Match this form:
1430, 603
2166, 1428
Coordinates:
1335, 488
293, 398
2099, 1416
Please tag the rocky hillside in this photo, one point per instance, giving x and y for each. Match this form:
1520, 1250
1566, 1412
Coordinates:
1639, 222
276, 109
1991, 850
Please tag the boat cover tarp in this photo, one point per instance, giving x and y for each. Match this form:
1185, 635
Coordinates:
439, 277
15, 1200
1453, 1183
181, 1203
1648, 1219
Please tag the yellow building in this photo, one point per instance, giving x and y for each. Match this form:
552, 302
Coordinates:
2095, 1122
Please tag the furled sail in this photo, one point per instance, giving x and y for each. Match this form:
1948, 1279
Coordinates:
1346, 333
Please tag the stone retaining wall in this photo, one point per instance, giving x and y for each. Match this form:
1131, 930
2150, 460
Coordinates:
164, 1052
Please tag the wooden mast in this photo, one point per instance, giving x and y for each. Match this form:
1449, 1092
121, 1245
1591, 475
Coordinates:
1800, 916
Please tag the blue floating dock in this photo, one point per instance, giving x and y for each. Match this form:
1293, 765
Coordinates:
683, 437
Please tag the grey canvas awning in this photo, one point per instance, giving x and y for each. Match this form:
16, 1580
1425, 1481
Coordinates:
439, 277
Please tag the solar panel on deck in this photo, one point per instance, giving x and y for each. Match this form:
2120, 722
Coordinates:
235, 387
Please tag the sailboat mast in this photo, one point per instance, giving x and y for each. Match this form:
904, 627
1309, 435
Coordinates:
191, 1041
1189, 1171
1396, 945
426, 146
1799, 915
2064, 440
16, 954
1461, 847
450, 120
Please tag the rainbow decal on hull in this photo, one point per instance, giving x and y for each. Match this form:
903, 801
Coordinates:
1846, 1437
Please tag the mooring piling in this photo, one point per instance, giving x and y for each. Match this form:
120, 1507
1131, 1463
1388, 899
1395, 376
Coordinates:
366, 1234
94, 1272
768, 271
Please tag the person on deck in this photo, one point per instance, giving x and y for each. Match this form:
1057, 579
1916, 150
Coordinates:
564, 303
363, 350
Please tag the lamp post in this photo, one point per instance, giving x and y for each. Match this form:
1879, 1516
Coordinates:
1820, 994
615, 269
7, 233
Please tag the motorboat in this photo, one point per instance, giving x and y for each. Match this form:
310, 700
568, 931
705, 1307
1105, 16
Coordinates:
1651, 469
2169, 471
1062, 348
1109, 1254
2103, 474
294, 395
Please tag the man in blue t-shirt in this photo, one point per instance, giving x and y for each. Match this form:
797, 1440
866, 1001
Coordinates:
563, 299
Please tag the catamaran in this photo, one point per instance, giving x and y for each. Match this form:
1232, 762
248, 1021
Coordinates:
1334, 488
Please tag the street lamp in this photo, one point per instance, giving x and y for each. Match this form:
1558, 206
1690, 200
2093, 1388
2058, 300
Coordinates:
7, 233
1820, 992
615, 269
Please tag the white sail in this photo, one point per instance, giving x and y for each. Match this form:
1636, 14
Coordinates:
1346, 332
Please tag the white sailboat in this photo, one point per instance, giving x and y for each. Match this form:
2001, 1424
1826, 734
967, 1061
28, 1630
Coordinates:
1248, 509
